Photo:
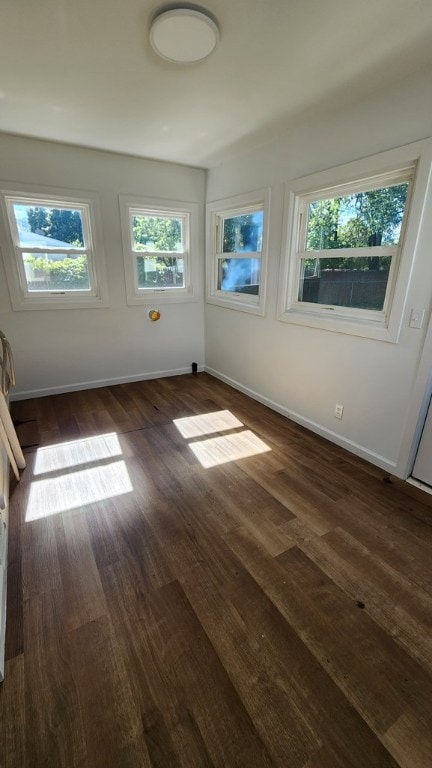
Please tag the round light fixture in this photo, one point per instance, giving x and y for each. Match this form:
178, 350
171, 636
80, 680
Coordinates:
183, 35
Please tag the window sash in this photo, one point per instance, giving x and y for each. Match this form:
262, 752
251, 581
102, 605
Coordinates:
219, 224
42, 202
51, 249
238, 295
378, 315
159, 256
349, 253
363, 185
239, 255
342, 310
160, 214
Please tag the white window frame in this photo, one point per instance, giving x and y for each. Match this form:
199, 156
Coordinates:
21, 297
145, 206
217, 212
412, 163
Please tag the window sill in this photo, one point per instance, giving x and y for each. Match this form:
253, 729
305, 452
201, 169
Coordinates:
352, 326
162, 296
60, 301
239, 306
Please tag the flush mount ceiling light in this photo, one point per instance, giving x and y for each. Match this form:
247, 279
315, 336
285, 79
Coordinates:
183, 35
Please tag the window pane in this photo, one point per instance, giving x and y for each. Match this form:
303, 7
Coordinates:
46, 227
243, 233
56, 272
360, 283
157, 233
160, 272
363, 219
239, 275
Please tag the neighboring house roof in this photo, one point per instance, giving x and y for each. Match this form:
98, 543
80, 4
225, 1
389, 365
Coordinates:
32, 239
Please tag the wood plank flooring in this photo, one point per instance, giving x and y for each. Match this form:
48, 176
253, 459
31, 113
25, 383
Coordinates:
197, 582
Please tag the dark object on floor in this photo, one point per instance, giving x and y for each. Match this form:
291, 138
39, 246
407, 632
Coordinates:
28, 433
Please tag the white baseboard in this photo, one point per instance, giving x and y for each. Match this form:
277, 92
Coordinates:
349, 445
419, 484
343, 442
27, 394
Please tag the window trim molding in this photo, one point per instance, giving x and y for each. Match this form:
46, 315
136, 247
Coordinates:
138, 296
380, 167
88, 202
225, 208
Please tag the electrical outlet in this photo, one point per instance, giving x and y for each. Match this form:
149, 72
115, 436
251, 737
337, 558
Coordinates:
338, 411
416, 318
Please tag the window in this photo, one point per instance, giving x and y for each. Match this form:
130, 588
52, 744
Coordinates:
237, 251
347, 261
349, 243
52, 242
158, 249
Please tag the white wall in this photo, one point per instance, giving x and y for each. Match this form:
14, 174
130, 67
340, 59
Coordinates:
57, 350
304, 371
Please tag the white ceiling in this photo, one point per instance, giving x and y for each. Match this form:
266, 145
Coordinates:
83, 71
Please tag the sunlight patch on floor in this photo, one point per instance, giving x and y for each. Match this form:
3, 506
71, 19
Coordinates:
60, 487
72, 454
220, 450
206, 424
76, 489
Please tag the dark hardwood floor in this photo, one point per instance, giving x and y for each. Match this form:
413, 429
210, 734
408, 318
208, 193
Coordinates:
223, 590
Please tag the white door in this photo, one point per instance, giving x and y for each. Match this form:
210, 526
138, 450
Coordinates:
422, 469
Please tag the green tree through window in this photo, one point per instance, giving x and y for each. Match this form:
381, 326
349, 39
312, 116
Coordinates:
157, 233
61, 224
361, 220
